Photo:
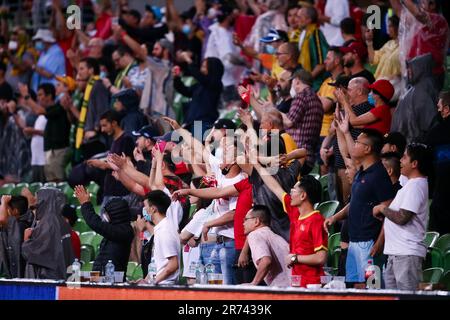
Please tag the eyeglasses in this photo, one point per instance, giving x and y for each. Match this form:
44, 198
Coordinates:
416, 144
245, 219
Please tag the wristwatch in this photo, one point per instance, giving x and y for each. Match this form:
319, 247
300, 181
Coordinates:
294, 259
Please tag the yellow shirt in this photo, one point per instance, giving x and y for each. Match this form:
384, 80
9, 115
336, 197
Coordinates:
327, 91
289, 142
388, 61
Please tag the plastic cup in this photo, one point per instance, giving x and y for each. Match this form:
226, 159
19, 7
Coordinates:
215, 278
324, 280
341, 279
296, 281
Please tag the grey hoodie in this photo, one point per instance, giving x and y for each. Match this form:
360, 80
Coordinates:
417, 109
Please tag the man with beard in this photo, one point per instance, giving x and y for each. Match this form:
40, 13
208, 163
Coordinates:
355, 55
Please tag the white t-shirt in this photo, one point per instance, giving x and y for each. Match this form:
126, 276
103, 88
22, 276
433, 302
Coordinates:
403, 180
166, 245
195, 226
408, 239
37, 143
220, 45
224, 205
190, 255
175, 210
337, 10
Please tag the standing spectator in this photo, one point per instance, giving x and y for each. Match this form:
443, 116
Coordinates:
47, 246
416, 109
114, 226
379, 117
51, 61
308, 240
391, 162
57, 129
287, 57
355, 55
122, 143
126, 103
406, 222
14, 219
335, 12
370, 187
220, 45
167, 241
269, 250
386, 59
439, 139
304, 119
205, 93
95, 101
126, 65
312, 45
37, 148
431, 36
348, 30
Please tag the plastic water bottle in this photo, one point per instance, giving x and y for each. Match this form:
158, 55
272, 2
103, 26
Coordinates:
199, 271
193, 267
152, 271
109, 272
370, 270
76, 267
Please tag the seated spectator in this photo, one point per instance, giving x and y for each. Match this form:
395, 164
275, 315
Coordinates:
406, 222
269, 250
14, 219
70, 215
47, 247
379, 117
115, 228
355, 55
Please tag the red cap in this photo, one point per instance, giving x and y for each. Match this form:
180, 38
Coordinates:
356, 47
383, 88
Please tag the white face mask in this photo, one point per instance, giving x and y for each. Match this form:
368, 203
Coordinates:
13, 45
292, 92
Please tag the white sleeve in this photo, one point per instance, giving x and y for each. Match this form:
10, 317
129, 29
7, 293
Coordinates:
414, 197
40, 123
214, 162
340, 12
171, 245
175, 213
195, 226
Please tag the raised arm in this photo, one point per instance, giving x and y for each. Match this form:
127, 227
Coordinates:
270, 181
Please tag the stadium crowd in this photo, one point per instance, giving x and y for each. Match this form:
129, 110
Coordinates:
218, 138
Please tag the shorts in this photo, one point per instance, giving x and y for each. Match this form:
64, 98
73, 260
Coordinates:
357, 257
55, 163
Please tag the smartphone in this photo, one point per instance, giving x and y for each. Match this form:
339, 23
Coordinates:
161, 145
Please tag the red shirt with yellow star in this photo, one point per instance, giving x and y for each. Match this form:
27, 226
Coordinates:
307, 236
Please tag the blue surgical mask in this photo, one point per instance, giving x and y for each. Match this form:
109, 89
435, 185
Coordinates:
186, 29
146, 215
370, 99
39, 46
270, 49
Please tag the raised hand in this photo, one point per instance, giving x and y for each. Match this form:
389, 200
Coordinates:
173, 123
81, 194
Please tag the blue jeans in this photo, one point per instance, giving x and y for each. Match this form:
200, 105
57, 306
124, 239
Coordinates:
222, 256
358, 255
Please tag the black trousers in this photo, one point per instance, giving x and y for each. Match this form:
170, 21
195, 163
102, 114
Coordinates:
243, 275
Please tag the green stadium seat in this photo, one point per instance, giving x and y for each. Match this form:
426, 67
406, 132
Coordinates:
445, 280
87, 253
96, 243
137, 273
446, 261
7, 188
87, 266
78, 209
130, 269
432, 275
16, 191
431, 238
437, 252
50, 185
334, 249
35, 186
324, 182
328, 208
87, 237
93, 187
81, 226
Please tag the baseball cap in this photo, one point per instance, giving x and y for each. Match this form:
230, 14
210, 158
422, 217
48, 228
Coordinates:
147, 131
396, 139
68, 81
224, 124
45, 35
275, 35
383, 87
341, 81
355, 47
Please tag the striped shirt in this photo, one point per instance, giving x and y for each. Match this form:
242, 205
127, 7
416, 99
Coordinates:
306, 113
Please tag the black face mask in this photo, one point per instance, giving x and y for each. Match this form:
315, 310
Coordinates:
349, 63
